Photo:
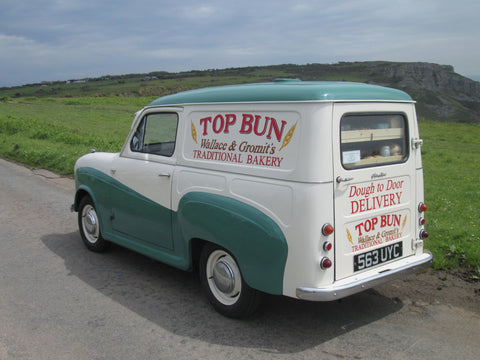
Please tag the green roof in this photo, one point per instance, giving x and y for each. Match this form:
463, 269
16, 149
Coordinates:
285, 90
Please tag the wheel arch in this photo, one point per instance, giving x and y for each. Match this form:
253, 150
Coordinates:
83, 191
252, 237
196, 246
79, 195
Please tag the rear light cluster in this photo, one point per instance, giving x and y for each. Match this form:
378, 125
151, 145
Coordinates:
326, 263
421, 221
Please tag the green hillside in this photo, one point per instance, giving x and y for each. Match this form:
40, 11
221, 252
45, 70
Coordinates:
441, 94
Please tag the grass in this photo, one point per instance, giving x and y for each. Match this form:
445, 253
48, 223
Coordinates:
52, 133
451, 158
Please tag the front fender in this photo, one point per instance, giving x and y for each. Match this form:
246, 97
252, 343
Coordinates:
254, 239
92, 182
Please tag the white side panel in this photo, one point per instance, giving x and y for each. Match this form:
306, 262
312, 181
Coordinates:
275, 141
148, 178
151, 179
100, 161
312, 208
272, 197
276, 199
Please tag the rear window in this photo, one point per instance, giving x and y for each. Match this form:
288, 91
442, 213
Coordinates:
373, 139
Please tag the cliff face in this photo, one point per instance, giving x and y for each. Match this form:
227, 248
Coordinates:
440, 93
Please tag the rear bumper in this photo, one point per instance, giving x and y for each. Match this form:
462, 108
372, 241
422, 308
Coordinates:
357, 283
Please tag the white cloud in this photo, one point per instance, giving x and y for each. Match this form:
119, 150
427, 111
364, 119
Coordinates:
46, 39
20, 49
202, 11
11, 45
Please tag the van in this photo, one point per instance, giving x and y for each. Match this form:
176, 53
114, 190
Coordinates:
311, 190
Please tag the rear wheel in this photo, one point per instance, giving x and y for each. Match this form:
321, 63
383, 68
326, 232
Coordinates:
90, 227
223, 282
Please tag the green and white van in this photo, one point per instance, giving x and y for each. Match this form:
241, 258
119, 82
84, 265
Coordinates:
312, 190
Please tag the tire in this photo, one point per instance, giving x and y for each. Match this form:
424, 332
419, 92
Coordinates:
89, 226
224, 285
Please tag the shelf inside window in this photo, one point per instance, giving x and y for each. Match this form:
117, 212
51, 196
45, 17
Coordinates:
353, 136
378, 160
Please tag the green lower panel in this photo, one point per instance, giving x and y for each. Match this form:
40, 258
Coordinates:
125, 212
252, 237
133, 221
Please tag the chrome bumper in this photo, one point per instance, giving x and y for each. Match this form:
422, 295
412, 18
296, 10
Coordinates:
356, 284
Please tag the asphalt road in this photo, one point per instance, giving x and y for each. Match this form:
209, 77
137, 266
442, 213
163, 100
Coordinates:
60, 301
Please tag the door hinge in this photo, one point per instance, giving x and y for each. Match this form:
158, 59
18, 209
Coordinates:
416, 143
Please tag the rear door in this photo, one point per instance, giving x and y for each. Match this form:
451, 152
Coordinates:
374, 185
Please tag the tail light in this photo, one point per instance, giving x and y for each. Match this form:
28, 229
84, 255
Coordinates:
422, 207
327, 246
423, 234
327, 229
325, 263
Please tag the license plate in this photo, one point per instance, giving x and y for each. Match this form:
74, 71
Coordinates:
378, 256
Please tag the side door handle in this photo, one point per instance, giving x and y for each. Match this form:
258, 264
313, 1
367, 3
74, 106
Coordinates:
164, 174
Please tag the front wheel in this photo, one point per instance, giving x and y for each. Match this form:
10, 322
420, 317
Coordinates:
90, 227
223, 282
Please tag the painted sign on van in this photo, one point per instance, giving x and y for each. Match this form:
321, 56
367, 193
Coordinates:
376, 195
377, 230
365, 201
246, 138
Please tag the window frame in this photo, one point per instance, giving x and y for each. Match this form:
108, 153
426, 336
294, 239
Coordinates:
403, 142
144, 148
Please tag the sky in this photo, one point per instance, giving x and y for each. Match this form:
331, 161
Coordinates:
48, 40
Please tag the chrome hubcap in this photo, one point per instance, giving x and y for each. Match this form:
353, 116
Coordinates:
224, 277
90, 224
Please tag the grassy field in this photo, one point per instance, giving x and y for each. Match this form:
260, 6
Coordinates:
451, 160
53, 132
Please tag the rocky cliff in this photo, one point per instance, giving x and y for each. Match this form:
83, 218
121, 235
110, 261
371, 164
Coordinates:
440, 93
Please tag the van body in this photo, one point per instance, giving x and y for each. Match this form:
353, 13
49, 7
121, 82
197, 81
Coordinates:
312, 190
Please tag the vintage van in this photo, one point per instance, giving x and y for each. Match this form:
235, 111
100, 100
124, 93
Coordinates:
312, 190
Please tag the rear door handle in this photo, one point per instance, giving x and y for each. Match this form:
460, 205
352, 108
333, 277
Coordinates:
164, 174
340, 179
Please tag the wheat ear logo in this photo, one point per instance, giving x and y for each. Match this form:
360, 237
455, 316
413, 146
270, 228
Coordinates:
288, 137
349, 236
194, 133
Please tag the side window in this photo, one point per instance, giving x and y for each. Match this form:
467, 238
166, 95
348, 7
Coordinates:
373, 140
156, 134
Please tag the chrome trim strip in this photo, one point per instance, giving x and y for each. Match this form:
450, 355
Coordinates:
339, 291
